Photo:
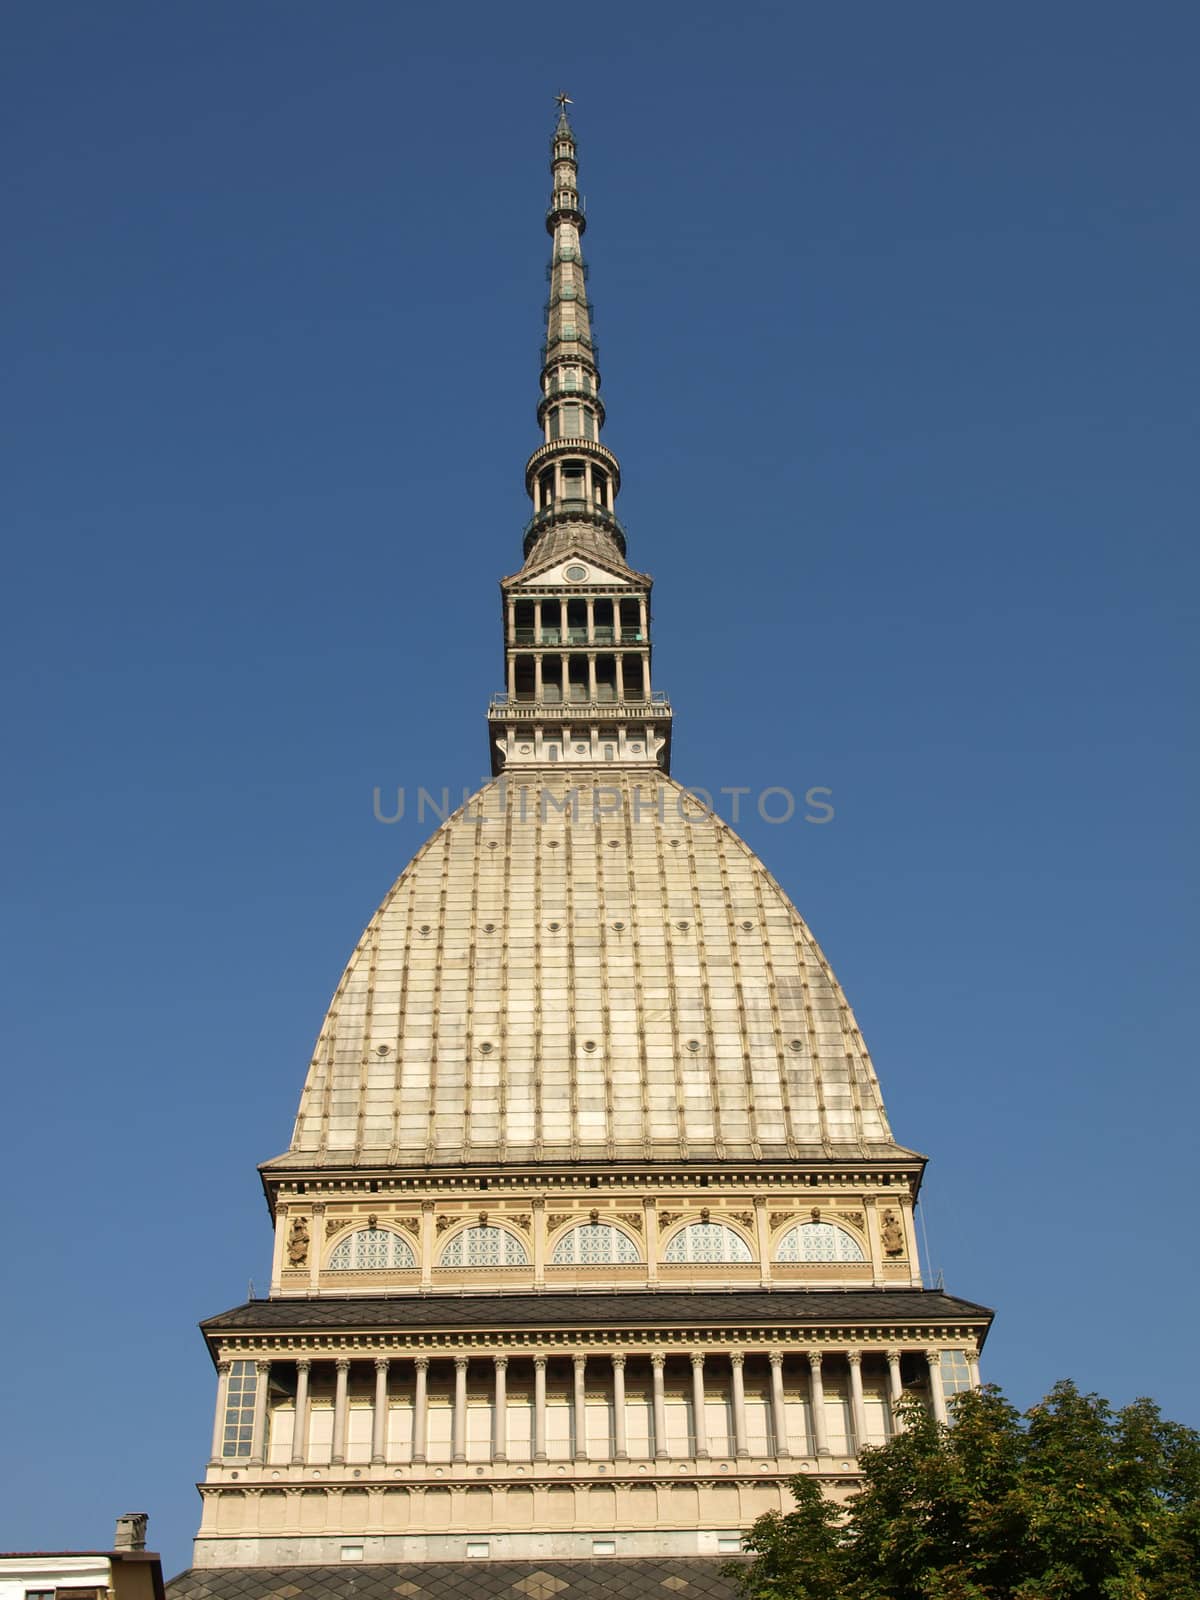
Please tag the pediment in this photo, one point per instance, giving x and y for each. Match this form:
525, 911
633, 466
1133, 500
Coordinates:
573, 571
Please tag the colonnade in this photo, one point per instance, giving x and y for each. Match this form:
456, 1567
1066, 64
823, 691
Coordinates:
702, 1363
550, 615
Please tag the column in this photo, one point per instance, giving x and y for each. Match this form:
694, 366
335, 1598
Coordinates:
338, 1455
620, 1446
512, 678
512, 622
874, 1244
650, 1212
500, 1410
537, 677
936, 1393
741, 1443
539, 1243
816, 1390
218, 1448
539, 1408
657, 1362
591, 604
300, 1426
699, 1416
379, 1414
537, 621
591, 675
778, 1410
316, 1245
460, 1409
566, 669
580, 1408
258, 1438
620, 665
973, 1367
762, 1229
426, 1243
420, 1443
562, 624
642, 624
857, 1410
895, 1388
281, 1216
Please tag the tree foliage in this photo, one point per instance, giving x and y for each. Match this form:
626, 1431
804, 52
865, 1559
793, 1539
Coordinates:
1070, 1501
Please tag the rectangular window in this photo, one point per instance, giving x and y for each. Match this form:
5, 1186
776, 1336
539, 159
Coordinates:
729, 1546
39, 1594
352, 1552
604, 1547
478, 1549
239, 1409
956, 1375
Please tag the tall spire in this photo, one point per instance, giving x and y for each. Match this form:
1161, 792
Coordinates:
577, 618
572, 478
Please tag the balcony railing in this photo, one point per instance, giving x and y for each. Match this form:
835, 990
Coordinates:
505, 706
531, 636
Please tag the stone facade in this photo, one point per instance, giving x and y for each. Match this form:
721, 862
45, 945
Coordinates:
592, 1231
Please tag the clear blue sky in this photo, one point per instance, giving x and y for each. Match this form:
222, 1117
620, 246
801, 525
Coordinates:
898, 323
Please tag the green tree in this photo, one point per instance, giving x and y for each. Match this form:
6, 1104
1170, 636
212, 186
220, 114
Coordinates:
1071, 1501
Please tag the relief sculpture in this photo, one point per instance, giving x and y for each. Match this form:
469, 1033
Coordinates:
298, 1243
892, 1235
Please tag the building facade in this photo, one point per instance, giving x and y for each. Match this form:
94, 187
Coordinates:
126, 1572
592, 1231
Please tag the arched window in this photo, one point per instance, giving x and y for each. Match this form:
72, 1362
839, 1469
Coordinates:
595, 1244
372, 1247
707, 1241
819, 1241
485, 1247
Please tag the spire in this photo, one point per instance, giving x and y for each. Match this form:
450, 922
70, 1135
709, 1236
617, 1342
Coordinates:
576, 617
572, 478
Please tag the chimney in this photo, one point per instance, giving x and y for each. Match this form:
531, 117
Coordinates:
131, 1531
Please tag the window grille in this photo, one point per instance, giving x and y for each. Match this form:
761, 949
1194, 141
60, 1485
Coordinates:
707, 1241
485, 1247
956, 1374
594, 1244
377, 1248
239, 1409
819, 1241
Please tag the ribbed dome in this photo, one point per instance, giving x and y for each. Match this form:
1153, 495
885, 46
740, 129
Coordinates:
624, 983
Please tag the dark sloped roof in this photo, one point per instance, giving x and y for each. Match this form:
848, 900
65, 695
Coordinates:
650, 1578
627, 1309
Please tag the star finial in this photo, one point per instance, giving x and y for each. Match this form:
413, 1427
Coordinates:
563, 101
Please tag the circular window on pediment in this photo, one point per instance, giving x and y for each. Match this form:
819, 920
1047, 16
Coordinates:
575, 573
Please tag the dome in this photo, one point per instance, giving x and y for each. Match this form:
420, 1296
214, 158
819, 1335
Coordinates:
578, 970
